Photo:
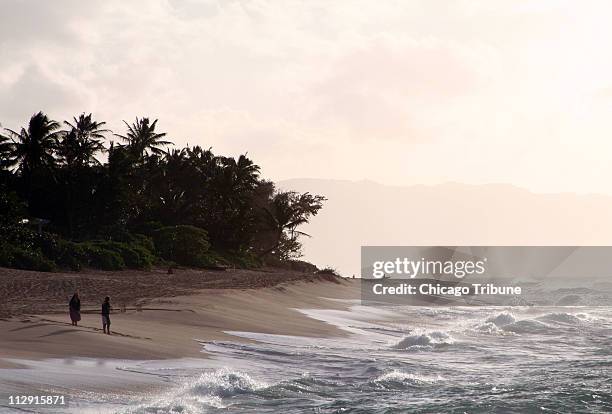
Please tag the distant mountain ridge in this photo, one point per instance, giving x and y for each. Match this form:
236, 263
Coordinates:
367, 213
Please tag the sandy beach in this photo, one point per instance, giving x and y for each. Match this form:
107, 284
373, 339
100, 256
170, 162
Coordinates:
166, 316
288, 342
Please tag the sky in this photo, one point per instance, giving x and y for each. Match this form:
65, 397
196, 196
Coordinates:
398, 92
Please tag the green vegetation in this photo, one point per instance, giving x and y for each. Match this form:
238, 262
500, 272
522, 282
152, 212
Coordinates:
185, 245
146, 204
330, 271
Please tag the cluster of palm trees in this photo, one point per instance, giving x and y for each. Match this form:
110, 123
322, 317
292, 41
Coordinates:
55, 171
43, 144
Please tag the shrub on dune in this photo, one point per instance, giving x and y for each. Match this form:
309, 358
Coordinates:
102, 258
19, 258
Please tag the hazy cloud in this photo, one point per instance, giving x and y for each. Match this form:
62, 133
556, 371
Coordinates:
396, 91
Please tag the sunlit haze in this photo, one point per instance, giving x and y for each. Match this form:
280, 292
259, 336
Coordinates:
395, 92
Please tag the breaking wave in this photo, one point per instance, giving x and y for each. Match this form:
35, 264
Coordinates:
489, 328
224, 383
357, 373
428, 340
505, 322
528, 326
398, 380
502, 319
206, 391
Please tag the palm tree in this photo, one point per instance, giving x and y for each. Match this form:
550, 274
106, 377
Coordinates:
284, 213
234, 178
246, 172
76, 150
141, 138
82, 141
33, 147
7, 148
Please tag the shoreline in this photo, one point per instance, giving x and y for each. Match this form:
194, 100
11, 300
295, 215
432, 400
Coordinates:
172, 326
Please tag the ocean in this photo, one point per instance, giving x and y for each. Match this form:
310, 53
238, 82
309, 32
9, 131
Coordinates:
393, 360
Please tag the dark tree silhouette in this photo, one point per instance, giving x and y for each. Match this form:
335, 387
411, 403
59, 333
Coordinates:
76, 150
7, 149
142, 139
34, 153
34, 146
283, 214
82, 141
139, 190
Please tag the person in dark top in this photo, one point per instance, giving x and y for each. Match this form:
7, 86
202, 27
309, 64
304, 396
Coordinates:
106, 308
75, 309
